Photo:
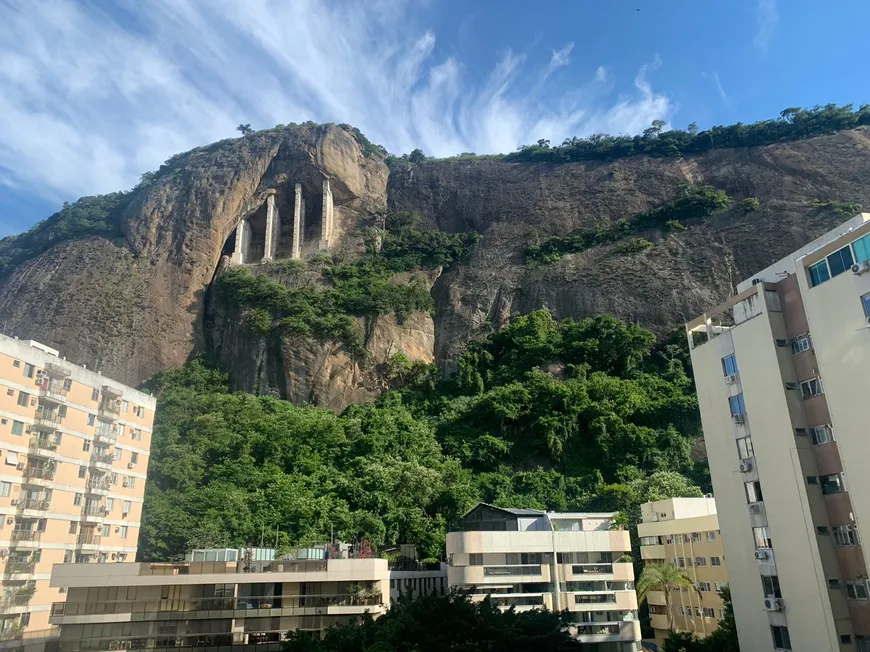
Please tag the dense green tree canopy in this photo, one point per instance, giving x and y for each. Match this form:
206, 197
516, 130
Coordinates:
439, 623
566, 415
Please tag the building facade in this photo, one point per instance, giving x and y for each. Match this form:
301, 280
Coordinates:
528, 559
75, 448
684, 532
238, 602
781, 375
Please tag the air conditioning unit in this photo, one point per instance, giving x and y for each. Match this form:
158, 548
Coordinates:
738, 418
745, 467
16, 501
124, 514
774, 604
861, 268
730, 379
21, 466
130, 465
755, 509
761, 554
124, 484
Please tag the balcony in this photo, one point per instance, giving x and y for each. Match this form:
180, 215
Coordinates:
52, 391
34, 504
595, 569
15, 567
47, 419
26, 538
42, 446
109, 409
88, 541
504, 571
56, 370
94, 514
99, 486
102, 460
42, 476
16, 600
105, 436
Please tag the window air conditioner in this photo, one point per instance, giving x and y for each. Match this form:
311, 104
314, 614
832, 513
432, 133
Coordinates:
738, 418
124, 484
861, 268
730, 379
773, 604
21, 466
16, 501
745, 467
124, 514
761, 554
755, 509
130, 465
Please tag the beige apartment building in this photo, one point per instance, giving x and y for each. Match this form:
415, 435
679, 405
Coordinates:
237, 599
781, 370
74, 454
528, 559
684, 532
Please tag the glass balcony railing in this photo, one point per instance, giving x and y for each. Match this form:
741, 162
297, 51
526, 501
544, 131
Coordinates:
512, 570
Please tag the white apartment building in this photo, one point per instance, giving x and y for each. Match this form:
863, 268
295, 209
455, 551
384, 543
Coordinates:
781, 370
531, 559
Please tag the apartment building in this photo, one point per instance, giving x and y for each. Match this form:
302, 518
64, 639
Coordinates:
528, 559
74, 454
781, 371
684, 532
236, 599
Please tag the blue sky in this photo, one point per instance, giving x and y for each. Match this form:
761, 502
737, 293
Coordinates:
95, 92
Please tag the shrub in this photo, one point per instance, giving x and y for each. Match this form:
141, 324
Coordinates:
674, 226
751, 204
634, 246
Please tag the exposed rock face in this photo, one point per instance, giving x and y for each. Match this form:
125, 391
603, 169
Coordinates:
134, 306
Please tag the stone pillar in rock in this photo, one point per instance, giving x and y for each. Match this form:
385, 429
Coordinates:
326, 224
243, 243
273, 228
298, 223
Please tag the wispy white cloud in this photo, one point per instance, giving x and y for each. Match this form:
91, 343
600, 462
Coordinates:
714, 77
766, 21
94, 94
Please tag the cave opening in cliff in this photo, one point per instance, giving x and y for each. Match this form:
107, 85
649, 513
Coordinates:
229, 245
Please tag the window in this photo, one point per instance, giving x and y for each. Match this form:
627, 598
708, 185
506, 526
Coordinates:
136, 434
845, 639
800, 344
865, 301
86, 445
128, 504
106, 530
861, 246
811, 479
819, 274
61, 411
67, 384
781, 641
681, 562
834, 584
857, 590
709, 613
16, 363
729, 365
124, 405
704, 587
130, 482
83, 471
77, 499
762, 537
669, 538
95, 395
91, 419
753, 492
5, 488
737, 405
23, 399
801, 432
744, 448
134, 458
711, 536
17, 427
475, 559
28, 370
715, 561
846, 535
68, 555
10, 392
821, 434
679, 538
822, 529
117, 454
696, 537
770, 584
113, 478
832, 484
123, 531
678, 609
811, 387
700, 561
110, 504
840, 261
719, 586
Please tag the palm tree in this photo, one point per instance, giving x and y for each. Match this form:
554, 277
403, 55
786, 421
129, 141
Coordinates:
665, 578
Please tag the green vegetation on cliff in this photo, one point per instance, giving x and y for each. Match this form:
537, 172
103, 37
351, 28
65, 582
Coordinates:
691, 202
569, 415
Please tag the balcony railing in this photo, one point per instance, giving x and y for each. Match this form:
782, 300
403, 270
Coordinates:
98, 484
20, 567
102, 458
55, 369
39, 472
89, 539
109, 408
106, 435
38, 504
599, 598
26, 536
580, 569
53, 391
511, 570
292, 602
94, 512
42, 446
47, 419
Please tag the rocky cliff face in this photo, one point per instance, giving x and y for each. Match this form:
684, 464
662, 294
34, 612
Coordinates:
135, 305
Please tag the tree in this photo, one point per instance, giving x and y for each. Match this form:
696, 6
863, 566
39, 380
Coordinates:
654, 129
723, 639
692, 128
437, 623
417, 156
245, 129
664, 578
